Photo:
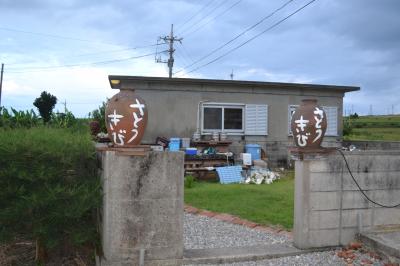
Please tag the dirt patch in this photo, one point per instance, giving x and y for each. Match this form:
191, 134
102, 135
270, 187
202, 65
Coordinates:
23, 252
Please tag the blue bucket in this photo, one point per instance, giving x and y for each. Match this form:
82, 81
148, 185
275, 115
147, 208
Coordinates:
254, 150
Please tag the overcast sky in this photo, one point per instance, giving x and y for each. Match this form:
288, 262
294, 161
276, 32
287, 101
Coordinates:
69, 47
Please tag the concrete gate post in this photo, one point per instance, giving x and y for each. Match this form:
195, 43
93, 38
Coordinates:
310, 220
142, 215
301, 204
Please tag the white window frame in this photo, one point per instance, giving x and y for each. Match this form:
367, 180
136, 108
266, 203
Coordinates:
323, 107
290, 118
223, 106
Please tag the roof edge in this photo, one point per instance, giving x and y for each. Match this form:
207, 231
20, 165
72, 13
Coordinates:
227, 82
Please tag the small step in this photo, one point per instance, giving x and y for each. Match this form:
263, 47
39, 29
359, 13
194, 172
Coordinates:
241, 254
385, 241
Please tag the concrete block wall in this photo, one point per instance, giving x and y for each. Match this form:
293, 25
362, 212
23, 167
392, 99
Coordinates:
373, 144
329, 208
142, 209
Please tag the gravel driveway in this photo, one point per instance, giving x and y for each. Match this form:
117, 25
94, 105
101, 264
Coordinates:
202, 232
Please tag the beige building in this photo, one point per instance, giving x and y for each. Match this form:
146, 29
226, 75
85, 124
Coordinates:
247, 111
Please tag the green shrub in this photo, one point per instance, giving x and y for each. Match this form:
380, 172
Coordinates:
189, 181
16, 118
49, 186
347, 128
99, 116
63, 120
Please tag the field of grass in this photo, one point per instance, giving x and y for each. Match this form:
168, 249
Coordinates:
383, 128
263, 204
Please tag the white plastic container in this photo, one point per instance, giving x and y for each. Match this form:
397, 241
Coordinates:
185, 143
246, 158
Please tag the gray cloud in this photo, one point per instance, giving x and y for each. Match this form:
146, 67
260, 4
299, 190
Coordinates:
335, 42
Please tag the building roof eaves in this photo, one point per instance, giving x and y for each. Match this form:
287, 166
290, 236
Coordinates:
219, 82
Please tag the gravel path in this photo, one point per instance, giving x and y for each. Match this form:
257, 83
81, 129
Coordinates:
203, 232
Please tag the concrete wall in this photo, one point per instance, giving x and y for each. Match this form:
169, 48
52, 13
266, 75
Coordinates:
373, 145
173, 110
330, 210
142, 208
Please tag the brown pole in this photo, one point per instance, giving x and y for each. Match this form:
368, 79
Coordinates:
1, 80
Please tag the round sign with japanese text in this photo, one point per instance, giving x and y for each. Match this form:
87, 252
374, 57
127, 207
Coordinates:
126, 118
308, 125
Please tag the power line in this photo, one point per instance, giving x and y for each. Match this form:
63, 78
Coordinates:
185, 52
181, 55
218, 15
39, 69
96, 53
254, 37
198, 12
53, 36
238, 36
201, 19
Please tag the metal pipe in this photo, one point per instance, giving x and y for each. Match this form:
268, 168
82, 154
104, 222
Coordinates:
141, 257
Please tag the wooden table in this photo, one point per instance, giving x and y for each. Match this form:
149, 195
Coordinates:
197, 164
220, 146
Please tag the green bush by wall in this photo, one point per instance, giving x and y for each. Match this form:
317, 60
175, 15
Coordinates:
49, 186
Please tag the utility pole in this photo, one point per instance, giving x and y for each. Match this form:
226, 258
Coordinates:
170, 40
65, 106
1, 80
231, 75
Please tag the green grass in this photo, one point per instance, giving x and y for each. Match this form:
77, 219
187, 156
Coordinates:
383, 134
264, 204
381, 128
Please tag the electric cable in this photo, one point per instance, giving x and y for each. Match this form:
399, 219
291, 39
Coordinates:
237, 36
254, 37
96, 53
201, 19
39, 69
218, 15
360, 189
198, 12
53, 36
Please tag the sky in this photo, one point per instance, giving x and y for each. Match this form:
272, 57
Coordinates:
69, 47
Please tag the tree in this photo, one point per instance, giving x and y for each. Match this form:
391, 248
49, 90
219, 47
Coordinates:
45, 104
99, 116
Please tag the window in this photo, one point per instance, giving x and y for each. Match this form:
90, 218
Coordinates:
256, 119
331, 119
249, 119
227, 118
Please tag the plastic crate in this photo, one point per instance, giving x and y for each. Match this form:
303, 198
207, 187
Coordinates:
174, 144
230, 174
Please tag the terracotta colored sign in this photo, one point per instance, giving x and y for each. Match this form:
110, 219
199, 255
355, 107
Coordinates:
126, 118
308, 125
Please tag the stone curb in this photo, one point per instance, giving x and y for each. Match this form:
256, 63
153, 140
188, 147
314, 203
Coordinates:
228, 218
241, 254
